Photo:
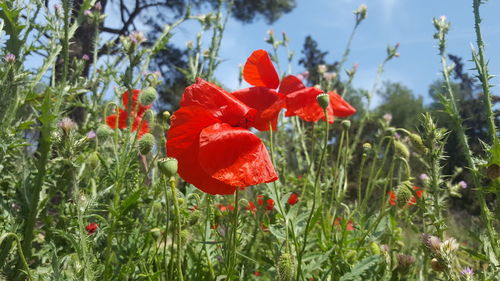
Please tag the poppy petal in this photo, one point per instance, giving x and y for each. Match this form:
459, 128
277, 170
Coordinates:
183, 144
291, 84
235, 156
122, 119
219, 102
267, 102
303, 103
340, 107
259, 70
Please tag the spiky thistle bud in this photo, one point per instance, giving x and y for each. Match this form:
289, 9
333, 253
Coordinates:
286, 267
404, 263
403, 194
147, 96
436, 265
168, 166
103, 132
431, 242
401, 149
493, 171
323, 100
146, 143
417, 142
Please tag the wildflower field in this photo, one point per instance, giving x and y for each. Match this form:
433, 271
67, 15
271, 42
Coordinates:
124, 157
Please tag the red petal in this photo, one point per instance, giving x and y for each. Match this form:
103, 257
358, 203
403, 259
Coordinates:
392, 198
267, 102
219, 102
303, 103
259, 70
292, 200
183, 142
340, 107
235, 156
122, 119
291, 84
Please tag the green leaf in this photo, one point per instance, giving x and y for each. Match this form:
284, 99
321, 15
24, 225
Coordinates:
360, 268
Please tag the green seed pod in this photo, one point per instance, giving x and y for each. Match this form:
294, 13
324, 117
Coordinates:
286, 267
403, 194
168, 166
401, 149
146, 143
367, 147
104, 132
147, 96
323, 100
346, 124
93, 160
166, 115
417, 142
375, 249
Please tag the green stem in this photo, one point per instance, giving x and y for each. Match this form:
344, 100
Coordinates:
172, 182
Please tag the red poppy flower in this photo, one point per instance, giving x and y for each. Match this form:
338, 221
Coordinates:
224, 208
301, 101
136, 114
270, 204
293, 199
349, 226
210, 140
259, 71
91, 228
413, 200
256, 273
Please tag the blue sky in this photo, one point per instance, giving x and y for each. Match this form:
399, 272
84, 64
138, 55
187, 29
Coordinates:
408, 22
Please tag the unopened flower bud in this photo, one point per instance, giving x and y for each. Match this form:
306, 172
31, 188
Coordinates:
286, 267
401, 149
346, 124
93, 160
403, 194
103, 132
493, 171
166, 115
367, 147
67, 125
147, 96
417, 142
168, 166
146, 143
361, 12
323, 100
322, 68
436, 265
404, 263
374, 248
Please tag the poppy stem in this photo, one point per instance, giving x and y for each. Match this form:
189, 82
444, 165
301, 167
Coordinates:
177, 229
233, 238
316, 196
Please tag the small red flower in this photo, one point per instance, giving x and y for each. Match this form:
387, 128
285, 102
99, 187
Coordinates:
251, 207
260, 199
349, 226
210, 140
392, 198
256, 273
293, 199
91, 228
270, 204
136, 113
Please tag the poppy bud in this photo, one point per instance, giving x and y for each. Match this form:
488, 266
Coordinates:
346, 124
103, 132
323, 100
374, 248
184, 236
403, 194
93, 160
156, 232
166, 115
437, 265
146, 143
168, 166
417, 142
286, 267
367, 147
147, 96
493, 171
401, 149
